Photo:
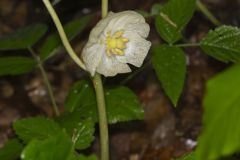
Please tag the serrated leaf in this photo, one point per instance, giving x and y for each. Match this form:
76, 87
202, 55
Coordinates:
121, 103
81, 131
58, 147
170, 66
16, 65
223, 44
23, 38
36, 128
173, 17
11, 150
80, 94
53, 43
220, 135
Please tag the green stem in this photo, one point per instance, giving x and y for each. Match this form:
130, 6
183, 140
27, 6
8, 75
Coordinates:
104, 8
188, 45
102, 114
207, 13
62, 34
103, 124
46, 81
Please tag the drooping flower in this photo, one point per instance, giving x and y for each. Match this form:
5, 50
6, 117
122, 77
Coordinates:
116, 41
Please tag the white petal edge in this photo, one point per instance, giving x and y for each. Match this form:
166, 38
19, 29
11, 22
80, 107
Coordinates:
109, 66
92, 56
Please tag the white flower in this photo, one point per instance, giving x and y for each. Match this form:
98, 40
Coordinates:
115, 41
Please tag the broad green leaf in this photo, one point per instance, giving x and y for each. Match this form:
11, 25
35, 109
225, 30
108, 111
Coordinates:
16, 65
23, 38
223, 44
81, 131
170, 66
82, 157
92, 157
81, 94
53, 43
155, 10
36, 128
190, 156
173, 17
11, 150
121, 103
221, 132
58, 147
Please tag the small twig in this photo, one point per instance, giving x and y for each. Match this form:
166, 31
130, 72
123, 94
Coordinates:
46, 81
62, 34
207, 13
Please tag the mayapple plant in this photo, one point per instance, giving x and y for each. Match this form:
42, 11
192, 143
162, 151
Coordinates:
117, 40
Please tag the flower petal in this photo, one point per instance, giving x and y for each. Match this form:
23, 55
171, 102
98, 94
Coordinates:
136, 51
109, 66
142, 29
121, 20
97, 31
92, 56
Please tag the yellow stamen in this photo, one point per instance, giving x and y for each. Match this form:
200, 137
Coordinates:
116, 43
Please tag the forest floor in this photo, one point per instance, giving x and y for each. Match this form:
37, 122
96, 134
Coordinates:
166, 132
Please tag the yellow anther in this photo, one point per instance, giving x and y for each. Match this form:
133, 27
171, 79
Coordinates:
116, 43
118, 34
125, 40
118, 51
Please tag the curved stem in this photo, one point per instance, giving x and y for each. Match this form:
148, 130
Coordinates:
207, 13
46, 81
103, 124
62, 34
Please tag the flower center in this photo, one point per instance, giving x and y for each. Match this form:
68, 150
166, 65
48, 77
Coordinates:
116, 43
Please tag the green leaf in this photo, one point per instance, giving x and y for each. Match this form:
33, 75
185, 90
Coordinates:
58, 147
36, 128
11, 150
223, 44
16, 65
23, 38
221, 132
121, 103
170, 66
53, 43
81, 131
83, 157
81, 94
172, 19
190, 156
